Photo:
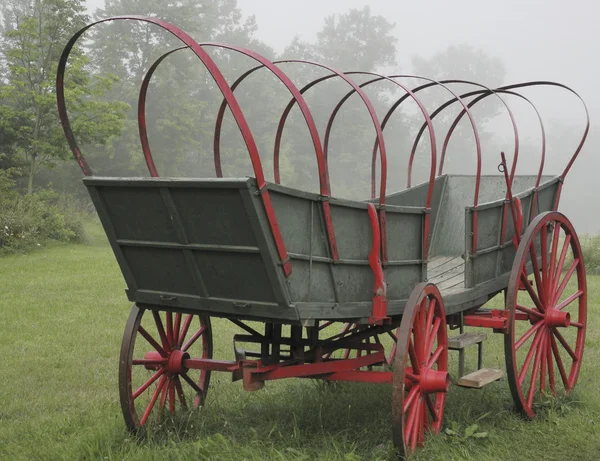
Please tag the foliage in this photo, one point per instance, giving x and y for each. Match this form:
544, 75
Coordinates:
34, 32
463, 62
590, 247
472, 431
354, 41
29, 221
182, 98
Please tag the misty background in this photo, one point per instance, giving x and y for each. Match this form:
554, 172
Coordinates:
493, 44
534, 39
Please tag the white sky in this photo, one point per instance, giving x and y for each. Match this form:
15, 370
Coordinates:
537, 39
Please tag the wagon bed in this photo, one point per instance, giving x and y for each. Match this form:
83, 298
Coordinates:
205, 245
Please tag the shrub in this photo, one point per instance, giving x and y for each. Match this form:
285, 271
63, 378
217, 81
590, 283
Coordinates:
29, 221
590, 247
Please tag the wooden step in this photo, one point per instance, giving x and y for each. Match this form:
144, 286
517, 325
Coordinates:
480, 378
466, 339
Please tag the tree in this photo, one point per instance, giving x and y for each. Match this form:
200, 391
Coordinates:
182, 98
357, 40
34, 32
462, 62
353, 41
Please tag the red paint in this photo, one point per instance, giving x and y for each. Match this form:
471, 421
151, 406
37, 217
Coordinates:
379, 314
311, 369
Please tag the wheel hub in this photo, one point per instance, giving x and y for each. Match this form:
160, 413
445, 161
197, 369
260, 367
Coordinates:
154, 356
555, 318
176, 365
433, 381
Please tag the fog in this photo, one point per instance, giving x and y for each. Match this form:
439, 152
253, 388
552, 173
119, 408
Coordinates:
536, 40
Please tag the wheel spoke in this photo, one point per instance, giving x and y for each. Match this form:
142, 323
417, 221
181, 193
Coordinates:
426, 424
411, 377
169, 327
536, 369
410, 422
430, 314
532, 294
418, 343
569, 300
193, 339
527, 362
566, 279
423, 316
422, 418
432, 336
431, 408
544, 250
148, 383
415, 430
192, 384
176, 328
559, 363
410, 398
561, 261
550, 365
152, 402
163, 399
180, 393
436, 355
161, 329
413, 357
172, 395
393, 336
148, 337
577, 324
184, 329
543, 363
553, 253
536, 272
564, 343
527, 335
530, 311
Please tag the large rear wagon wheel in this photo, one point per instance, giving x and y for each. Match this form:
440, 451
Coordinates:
547, 309
420, 380
153, 381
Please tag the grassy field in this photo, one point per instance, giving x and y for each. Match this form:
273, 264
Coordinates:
63, 313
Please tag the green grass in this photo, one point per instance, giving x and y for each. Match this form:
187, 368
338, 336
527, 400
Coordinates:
63, 314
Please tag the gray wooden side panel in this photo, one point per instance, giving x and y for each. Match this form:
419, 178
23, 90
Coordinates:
192, 241
316, 278
493, 257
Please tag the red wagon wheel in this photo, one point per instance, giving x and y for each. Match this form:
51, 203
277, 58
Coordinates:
421, 380
153, 379
547, 312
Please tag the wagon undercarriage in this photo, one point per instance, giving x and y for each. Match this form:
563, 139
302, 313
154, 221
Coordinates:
341, 290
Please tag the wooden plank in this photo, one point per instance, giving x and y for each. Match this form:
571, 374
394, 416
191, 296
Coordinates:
464, 340
480, 378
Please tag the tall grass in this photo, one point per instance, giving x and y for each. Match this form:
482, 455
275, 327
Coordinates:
590, 247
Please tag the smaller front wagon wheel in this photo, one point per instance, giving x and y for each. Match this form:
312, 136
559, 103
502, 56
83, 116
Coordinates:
420, 377
153, 380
